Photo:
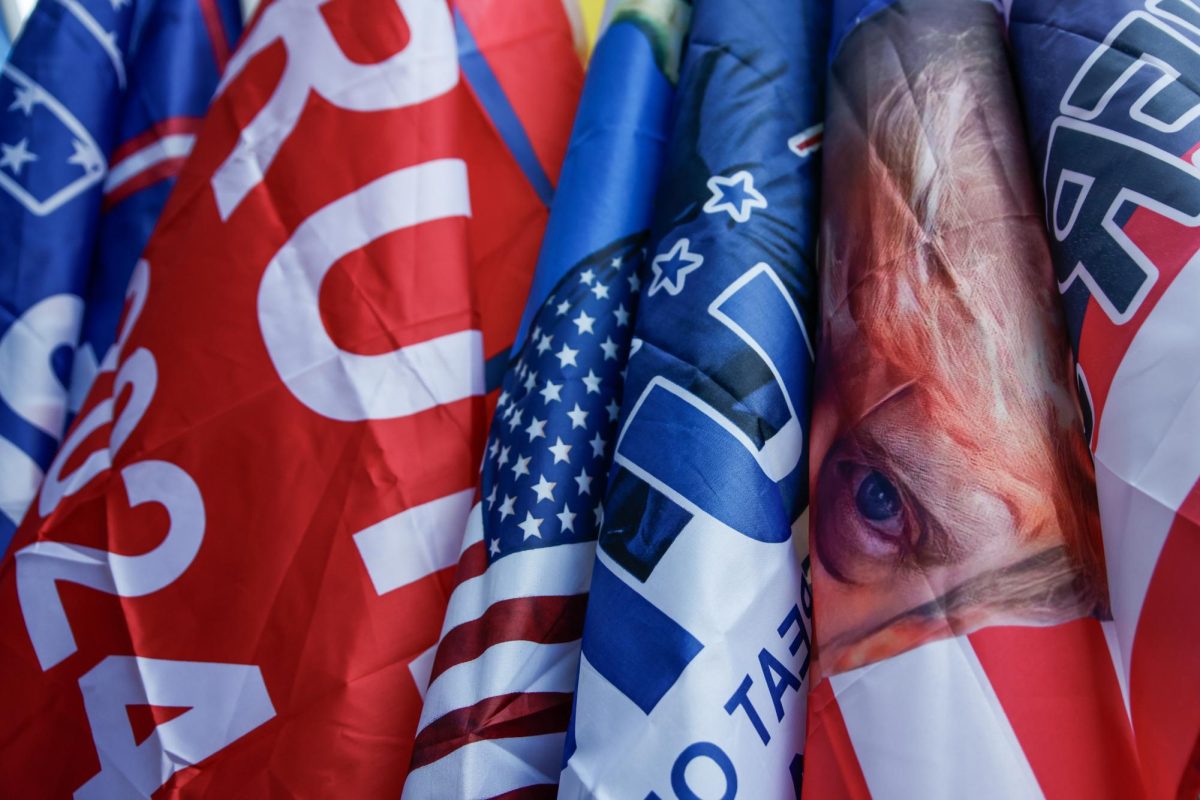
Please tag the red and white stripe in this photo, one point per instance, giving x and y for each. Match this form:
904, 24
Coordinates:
499, 697
146, 159
1007, 712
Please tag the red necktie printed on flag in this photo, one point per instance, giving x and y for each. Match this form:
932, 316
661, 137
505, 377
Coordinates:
243, 548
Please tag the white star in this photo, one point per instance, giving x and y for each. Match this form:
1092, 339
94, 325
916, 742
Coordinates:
562, 308
601, 291
24, 100
521, 467
678, 260
597, 445
502, 399
578, 417
592, 382
566, 518
544, 343
584, 322
610, 348
551, 391
536, 429
87, 158
616, 262
585, 482
514, 420
635, 282
531, 526
622, 315
495, 448
491, 498
15, 156
494, 546
613, 409
118, 4
567, 356
587, 276
537, 329
599, 512
544, 489
530, 381
561, 450
738, 202
506, 508
503, 456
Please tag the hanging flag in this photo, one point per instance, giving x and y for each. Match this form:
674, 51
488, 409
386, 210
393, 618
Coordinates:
958, 581
695, 648
99, 105
231, 581
499, 699
1112, 103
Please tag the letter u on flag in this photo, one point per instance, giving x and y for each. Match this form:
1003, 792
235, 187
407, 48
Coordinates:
695, 649
243, 548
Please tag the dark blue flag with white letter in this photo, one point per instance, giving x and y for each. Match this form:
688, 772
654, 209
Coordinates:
696, 641
100, 102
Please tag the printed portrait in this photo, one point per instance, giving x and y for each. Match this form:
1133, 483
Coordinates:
951, 484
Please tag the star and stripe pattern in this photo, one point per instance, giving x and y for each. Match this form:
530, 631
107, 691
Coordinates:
503, 675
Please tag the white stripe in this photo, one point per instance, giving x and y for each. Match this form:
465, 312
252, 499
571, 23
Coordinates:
420, 668
489, 767
558, 571
176, 145
926, 724
474, 531
1147, 459
410, 545
502, 669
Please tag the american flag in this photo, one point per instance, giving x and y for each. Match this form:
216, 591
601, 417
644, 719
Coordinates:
499, 697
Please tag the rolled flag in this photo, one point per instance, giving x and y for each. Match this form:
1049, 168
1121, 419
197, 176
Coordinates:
227, 581
958, 579
99, 105
501, 684
692, 681
1111, 93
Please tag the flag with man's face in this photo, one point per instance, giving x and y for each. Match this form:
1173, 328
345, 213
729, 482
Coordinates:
959, 585
693, 677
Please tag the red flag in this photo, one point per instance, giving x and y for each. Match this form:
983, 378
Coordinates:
243, 550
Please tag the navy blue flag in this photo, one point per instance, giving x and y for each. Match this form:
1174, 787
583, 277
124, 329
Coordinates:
695, 649
99, 105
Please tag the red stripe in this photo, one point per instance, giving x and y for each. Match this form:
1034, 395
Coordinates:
147, 177
546, 791
216, 33
808, 143
1058, 688
831, 769
505, 716
545, 620
158, 130
1163, 695
473, 562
